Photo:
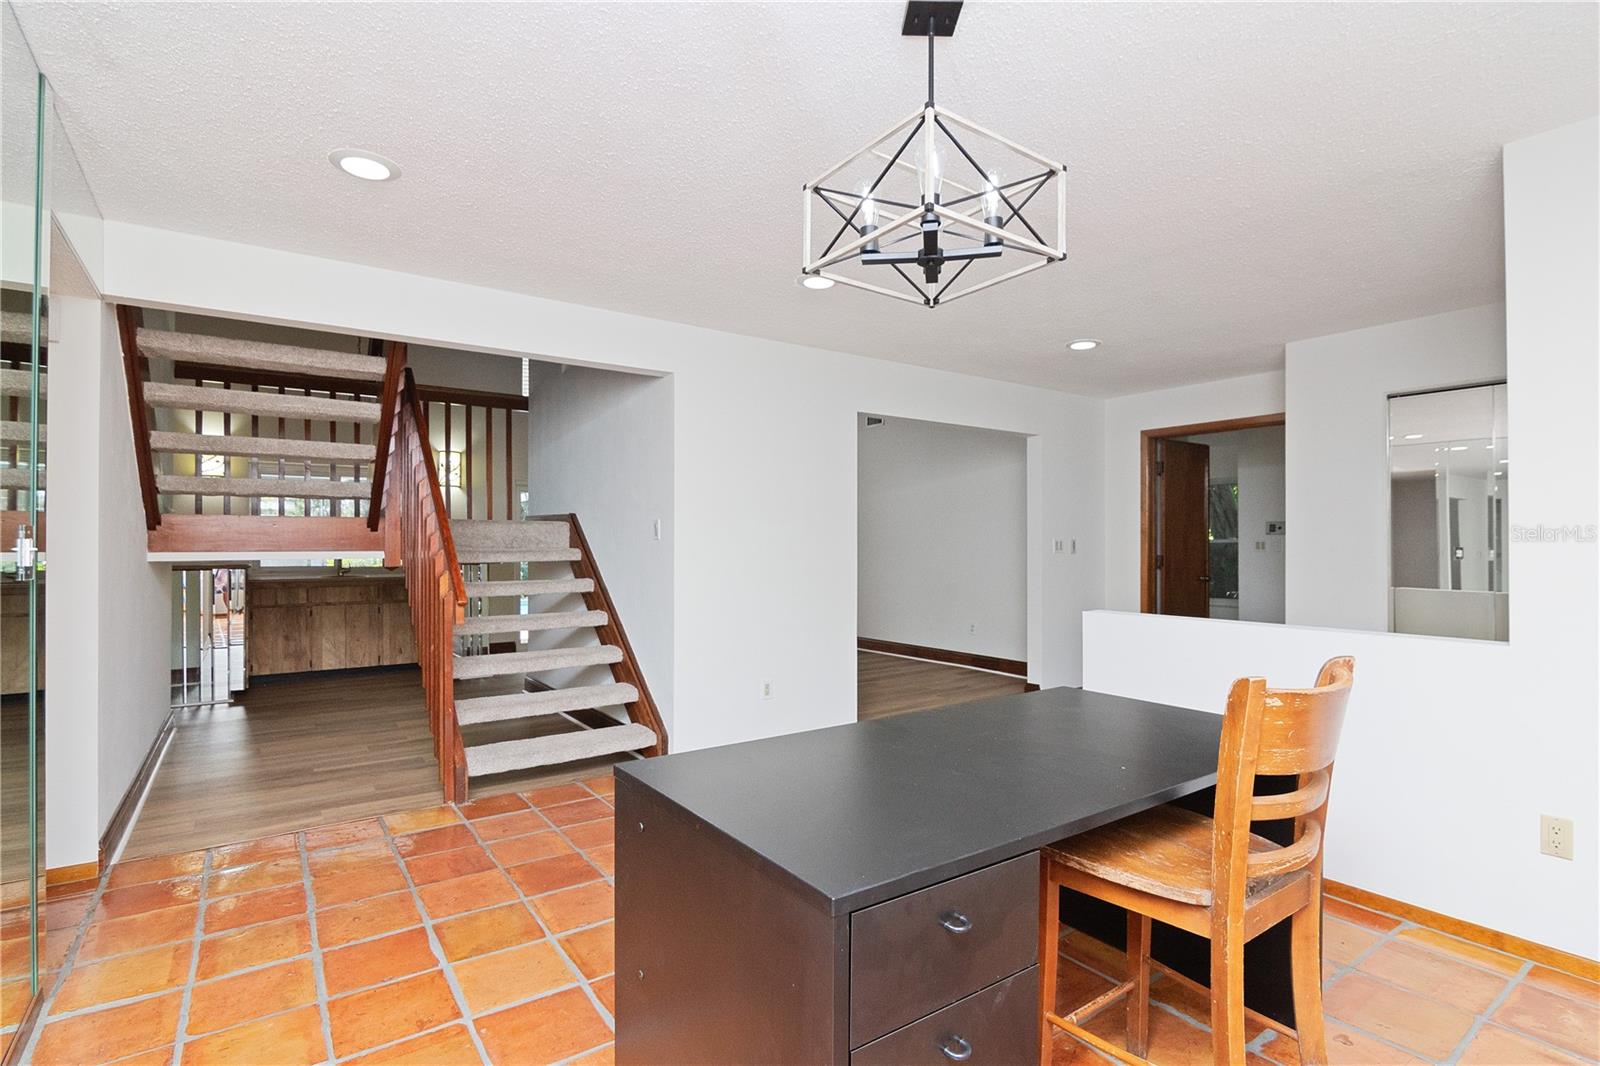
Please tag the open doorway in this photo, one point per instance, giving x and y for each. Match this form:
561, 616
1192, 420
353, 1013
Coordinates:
941, 592
1213, 538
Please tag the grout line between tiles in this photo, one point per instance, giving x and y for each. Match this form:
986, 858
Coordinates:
448, 974
180, 1036
317, 973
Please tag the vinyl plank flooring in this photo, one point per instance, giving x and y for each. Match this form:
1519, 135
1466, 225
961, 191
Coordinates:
888, 684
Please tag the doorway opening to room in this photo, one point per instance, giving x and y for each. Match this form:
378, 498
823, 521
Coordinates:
1212, 533
942, 565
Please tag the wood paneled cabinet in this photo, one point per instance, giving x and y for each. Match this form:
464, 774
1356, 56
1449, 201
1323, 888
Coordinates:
304, 623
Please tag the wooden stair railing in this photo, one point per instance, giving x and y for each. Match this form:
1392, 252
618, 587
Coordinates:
416, 529
394, 357
137, 370
626, 671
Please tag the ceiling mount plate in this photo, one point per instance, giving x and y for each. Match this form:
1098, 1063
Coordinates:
942, 13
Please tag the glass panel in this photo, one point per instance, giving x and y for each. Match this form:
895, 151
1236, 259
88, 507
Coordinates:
23, 311
1449, 482
1222, 506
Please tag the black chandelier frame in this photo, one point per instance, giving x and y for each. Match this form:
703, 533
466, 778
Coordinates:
919, 239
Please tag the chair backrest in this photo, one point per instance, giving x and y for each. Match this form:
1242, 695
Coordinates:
1275, 731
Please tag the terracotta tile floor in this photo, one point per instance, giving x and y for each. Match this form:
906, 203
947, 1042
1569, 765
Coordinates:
1394, 992
480, 933
484, 934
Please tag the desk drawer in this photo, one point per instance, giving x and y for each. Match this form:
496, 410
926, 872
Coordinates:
913, 955
998, 1026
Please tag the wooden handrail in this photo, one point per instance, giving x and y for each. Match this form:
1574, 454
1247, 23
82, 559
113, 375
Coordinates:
627, 670
417, 531
394, 355
135, 369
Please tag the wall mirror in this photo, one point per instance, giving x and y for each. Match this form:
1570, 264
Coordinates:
1449, 483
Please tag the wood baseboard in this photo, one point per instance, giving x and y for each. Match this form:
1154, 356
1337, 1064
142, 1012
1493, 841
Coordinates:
993, 663
66, 875
1543, 954
122, 817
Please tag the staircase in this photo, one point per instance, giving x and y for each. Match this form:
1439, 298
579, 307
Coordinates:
16, 385
248, 428
552, 544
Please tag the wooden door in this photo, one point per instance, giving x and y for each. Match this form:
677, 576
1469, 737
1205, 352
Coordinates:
1183, 547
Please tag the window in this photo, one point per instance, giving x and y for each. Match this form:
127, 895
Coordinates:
1223, 515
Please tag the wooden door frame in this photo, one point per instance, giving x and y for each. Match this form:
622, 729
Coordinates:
1147, 487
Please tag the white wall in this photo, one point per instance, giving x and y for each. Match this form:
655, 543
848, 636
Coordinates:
600, 447
764, 445
1337, 450
1125, 418
1452, 749
108, 611
943, 537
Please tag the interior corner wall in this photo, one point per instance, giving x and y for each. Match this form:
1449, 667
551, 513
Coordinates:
107, 613
600, 447
1337, 450
763, 451
1126, 417
942, 527
134, 598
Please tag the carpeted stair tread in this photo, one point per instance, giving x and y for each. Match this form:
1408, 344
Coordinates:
509, 536
237, 401
317, 451
19, 382
17, 432
548, 587
16, 327
516, 623
559, 748
528, 662
519, 555
258, 355
295, 488
533, 704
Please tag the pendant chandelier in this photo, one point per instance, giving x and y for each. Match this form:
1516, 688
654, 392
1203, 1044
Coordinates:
918, 203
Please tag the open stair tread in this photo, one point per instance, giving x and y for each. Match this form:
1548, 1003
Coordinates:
483, 709
558, 748
552, 586
14, 382
517, 623
259, 355
17, 432
493, 535
263, 447
16, 477
293, 488
525, 662
16, 327
517, 555
272, 405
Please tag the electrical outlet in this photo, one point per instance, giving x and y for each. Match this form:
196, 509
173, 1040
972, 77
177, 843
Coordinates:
1059, 546
973, 628
766, 690
1555, 836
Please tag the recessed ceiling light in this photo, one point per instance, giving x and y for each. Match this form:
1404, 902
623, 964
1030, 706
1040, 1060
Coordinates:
364, 165
1413, 436
1084, 345
816, 281
1458, 447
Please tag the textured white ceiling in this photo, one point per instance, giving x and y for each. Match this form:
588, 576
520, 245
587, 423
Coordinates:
1239, 175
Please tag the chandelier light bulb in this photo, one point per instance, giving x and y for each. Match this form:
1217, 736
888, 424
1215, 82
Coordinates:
991, 200
869, 221
929, 178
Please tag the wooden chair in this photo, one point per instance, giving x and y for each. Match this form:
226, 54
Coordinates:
1213, 876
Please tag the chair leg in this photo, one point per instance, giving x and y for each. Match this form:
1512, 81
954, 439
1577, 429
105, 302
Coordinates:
1305, 962
1049, 957
1139, 974
1227, 999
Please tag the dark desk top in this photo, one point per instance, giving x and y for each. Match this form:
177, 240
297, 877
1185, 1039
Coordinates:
861, 813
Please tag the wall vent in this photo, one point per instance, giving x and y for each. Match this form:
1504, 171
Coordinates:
873, 421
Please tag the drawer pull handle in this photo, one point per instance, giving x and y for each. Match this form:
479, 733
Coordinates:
955, 1049
956, 922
